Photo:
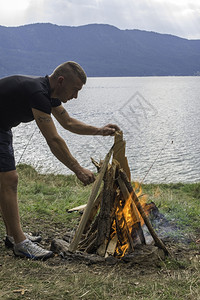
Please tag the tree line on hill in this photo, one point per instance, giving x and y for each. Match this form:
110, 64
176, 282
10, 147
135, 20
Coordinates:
102, 50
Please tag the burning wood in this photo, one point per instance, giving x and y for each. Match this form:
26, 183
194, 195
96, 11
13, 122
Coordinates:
111, 224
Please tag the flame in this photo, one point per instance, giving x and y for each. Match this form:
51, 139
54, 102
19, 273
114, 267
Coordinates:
126, 219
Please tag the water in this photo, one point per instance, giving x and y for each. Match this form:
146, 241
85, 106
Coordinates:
159, 117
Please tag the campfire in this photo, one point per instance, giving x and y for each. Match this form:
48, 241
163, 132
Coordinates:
112, 224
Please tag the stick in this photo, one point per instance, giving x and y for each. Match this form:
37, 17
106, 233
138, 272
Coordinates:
119, 153
105, 214
82, 246
128, 233
74, 244
93, 212
77, 208
158, 242
126, 195
112, 246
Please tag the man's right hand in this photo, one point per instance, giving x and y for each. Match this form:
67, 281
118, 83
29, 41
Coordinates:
85, 176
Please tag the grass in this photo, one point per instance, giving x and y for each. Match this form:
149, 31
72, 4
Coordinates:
179, 203
43, 201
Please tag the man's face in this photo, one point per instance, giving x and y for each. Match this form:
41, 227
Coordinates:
67, 90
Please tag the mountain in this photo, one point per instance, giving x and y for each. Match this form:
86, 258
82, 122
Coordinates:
102, 50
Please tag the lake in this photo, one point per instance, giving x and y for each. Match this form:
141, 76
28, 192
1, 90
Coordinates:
160, 119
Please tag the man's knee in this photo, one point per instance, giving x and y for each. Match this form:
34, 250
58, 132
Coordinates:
9, 180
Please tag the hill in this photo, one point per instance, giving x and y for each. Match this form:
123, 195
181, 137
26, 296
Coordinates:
103, 50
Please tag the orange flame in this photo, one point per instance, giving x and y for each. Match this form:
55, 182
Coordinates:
126, 217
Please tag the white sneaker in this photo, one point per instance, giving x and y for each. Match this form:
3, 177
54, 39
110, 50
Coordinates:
9, 241
31, 250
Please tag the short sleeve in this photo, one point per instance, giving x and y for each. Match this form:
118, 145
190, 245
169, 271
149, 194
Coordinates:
55, 102
41, 102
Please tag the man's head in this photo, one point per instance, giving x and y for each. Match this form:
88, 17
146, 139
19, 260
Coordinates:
67, 80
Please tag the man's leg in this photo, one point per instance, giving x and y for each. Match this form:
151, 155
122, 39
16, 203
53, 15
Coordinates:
23, 247
9, 241
9, 205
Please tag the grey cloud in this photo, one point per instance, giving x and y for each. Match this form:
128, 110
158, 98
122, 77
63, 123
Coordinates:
180, 17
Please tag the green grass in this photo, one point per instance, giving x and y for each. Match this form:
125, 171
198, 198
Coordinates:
49, 196
179, 202
43, 201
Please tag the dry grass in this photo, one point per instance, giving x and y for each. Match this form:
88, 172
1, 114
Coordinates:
55, 279
43, 203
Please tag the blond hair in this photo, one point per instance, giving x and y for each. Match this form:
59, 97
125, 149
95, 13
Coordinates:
68, 69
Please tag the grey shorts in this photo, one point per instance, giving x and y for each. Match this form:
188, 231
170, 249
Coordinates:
7, 159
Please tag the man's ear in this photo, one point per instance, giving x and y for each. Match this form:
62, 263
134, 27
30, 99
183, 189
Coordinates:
60, 80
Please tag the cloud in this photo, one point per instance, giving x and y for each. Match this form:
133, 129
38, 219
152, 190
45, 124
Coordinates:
180, 17
12, 11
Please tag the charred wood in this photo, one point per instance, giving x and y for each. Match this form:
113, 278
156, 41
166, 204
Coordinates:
158, 242
134, 211
87, 241
58, 245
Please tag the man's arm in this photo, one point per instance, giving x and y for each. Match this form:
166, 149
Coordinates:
59, 147
79, 127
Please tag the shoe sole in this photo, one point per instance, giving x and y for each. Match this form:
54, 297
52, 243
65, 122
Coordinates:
45, 257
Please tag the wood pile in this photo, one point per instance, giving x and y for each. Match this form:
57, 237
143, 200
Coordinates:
112, 222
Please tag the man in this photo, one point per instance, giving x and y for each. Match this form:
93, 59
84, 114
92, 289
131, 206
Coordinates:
23, 99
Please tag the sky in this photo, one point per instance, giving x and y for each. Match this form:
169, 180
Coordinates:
176, 17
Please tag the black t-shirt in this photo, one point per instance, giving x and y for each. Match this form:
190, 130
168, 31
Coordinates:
19, 94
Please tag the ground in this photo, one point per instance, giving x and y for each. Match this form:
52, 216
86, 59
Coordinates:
176, 277
43, 200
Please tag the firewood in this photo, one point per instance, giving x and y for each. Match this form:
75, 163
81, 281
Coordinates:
105, 215
68, 237
121, 235
102, 248
128, 233
86, 241
124, 236
96, 164
158, 242
139, 232
127, 196
93, 228
73, 246
145, 255
58, 245
119, 153
111, 222
135, 214
93, 211
77, 208
111, 246
92, 246
106, 207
